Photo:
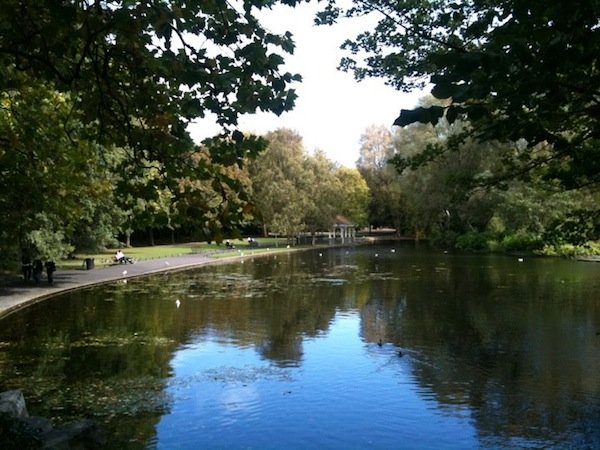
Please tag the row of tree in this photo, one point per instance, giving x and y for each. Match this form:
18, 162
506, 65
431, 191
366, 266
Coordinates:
517, 89
95, 100
295, 191
63, 192
96, 96
463, 199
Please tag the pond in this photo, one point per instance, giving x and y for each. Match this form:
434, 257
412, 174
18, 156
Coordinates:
387, 346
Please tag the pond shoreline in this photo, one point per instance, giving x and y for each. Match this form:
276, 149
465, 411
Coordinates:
20, 294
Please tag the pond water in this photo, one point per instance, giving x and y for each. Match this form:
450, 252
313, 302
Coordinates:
388, 346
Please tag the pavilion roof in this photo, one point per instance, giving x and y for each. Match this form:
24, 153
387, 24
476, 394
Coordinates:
341, 220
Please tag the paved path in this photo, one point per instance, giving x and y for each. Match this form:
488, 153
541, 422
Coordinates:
18, 294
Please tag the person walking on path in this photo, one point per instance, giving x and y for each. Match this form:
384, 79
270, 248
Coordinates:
38, 268
26, 267
50, 269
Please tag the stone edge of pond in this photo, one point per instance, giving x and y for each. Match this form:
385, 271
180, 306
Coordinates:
19, 429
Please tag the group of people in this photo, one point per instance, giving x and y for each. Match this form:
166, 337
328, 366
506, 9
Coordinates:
251, 242
36, 269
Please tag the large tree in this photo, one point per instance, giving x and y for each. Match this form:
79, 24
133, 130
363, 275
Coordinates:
445, 196
133, 75
513, 69
55, 185
356, 196
324, 194
386, 208
280, 183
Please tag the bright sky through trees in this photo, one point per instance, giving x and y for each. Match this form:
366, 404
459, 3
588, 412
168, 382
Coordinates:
332, 110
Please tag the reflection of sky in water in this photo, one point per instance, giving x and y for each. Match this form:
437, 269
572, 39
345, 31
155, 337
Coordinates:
346, 394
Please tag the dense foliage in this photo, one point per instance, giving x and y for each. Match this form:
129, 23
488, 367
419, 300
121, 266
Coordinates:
512, 69
450, 201
295, 192
96, 97
510, 155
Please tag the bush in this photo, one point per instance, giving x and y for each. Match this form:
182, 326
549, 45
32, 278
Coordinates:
475, 242
443, 239
570, 250
521, 241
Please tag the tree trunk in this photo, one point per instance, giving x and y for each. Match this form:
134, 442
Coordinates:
151, 237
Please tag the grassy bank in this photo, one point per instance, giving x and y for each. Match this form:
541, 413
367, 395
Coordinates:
105, 258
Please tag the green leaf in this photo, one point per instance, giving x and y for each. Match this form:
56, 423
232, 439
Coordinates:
421, 115
444, 90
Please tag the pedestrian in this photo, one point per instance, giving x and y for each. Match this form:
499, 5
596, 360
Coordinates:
38, 268
50, 269
26, 267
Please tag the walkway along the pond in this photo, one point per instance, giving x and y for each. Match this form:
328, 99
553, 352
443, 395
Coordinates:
20, 294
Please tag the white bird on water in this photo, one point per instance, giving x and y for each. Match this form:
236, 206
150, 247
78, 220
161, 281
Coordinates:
177, 303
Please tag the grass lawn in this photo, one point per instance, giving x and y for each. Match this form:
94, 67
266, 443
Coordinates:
103, 259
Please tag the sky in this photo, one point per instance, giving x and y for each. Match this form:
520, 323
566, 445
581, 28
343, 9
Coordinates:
332, 109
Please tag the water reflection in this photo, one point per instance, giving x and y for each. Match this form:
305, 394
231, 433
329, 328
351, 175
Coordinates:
284, 352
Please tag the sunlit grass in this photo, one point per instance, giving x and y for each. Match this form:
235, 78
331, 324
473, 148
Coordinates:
249, 251
105, 258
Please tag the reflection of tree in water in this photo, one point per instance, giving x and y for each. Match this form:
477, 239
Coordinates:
270, 304
282, 308
90, 354
516, 347
116, 342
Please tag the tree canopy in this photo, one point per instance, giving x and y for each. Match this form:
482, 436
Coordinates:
294, 191
95, 100
515, 70
141, 70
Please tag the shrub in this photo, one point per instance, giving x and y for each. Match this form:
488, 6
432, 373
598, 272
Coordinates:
521, 241
570, 250
474, 242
